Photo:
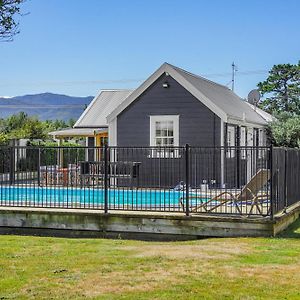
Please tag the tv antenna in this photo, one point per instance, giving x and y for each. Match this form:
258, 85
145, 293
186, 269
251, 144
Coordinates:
234, 70
254, 97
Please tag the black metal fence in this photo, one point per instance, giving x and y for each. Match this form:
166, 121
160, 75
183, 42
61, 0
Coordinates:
285, 178
246, 181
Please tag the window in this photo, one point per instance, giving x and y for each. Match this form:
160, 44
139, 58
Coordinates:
164, 132
243, 142
250, 142
261, 143
230, 141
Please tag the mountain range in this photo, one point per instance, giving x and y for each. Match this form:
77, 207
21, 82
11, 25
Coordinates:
46, 106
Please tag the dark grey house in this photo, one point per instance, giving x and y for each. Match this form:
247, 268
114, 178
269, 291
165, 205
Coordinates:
174, 107
189, 109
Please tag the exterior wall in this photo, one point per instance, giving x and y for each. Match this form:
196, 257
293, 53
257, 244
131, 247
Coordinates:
198, 126
239, 168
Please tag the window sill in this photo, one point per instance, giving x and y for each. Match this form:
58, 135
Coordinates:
164, 156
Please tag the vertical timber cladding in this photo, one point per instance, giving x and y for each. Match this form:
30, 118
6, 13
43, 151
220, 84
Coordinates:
198, 126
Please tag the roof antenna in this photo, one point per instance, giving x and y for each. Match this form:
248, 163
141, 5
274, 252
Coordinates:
234, 70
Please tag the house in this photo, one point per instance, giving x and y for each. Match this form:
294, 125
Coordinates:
172, 108
92, 124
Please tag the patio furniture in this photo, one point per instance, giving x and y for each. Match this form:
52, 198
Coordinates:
55, 175
250, 195
93, 171
73, 175
48, 174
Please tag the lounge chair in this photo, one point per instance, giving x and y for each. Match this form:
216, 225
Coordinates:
250, 194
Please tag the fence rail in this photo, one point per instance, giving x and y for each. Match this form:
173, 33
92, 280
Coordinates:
245, 181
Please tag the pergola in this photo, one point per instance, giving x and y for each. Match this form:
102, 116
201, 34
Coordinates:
60, 135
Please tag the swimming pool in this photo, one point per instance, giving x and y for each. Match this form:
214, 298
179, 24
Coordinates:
88, 197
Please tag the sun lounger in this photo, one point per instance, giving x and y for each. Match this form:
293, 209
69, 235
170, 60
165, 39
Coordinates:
251, 194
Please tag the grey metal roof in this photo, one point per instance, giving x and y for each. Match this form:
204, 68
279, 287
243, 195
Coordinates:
100, 107
268, 117
70, 132
229, 102
218, 98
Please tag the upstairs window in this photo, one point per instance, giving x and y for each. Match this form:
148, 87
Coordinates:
164, 132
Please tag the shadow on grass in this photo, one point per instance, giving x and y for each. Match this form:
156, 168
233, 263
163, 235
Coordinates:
293, 231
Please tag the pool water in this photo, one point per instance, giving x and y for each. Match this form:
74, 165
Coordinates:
88, 196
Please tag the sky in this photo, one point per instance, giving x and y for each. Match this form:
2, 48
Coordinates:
77, 47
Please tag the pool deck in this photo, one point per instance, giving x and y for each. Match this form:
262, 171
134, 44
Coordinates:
138, 225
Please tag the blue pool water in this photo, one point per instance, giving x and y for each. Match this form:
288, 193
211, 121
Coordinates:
88, 196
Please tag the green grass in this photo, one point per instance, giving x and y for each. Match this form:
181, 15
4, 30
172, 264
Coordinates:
235, 268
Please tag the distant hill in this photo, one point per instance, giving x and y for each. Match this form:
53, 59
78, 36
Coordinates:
46, 106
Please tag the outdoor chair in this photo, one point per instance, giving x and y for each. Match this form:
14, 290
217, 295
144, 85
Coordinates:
74, 175
251, 194
48, 174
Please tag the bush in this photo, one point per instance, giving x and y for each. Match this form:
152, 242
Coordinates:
286, 131
49, 155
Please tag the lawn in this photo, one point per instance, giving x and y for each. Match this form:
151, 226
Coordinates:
235, 268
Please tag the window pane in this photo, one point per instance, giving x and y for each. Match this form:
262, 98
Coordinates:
170, 125
165, 141
170, 132
164, 132
158, 125
158, 142
158, 132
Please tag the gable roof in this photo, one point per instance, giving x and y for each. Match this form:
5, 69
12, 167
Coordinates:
218, 98
101, 106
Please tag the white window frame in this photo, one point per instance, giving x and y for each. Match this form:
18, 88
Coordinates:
230, 140
164, 118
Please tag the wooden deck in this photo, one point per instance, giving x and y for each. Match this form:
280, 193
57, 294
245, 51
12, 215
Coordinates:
140, 225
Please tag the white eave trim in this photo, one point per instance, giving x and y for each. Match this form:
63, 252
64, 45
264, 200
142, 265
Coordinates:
240, 122
165, 68
87, 109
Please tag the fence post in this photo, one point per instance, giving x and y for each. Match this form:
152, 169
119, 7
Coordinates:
12, 166
271, 183
187, 179
285, 180
105, 179
39, 166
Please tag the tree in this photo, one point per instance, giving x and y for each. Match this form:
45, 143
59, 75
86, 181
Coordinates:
282, 88
8, 25
3, 138
22, 126
15, 122
285, 131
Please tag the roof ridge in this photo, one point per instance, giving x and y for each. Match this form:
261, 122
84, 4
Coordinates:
198, 76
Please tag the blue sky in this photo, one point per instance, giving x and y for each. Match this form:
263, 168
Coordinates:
79, 47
